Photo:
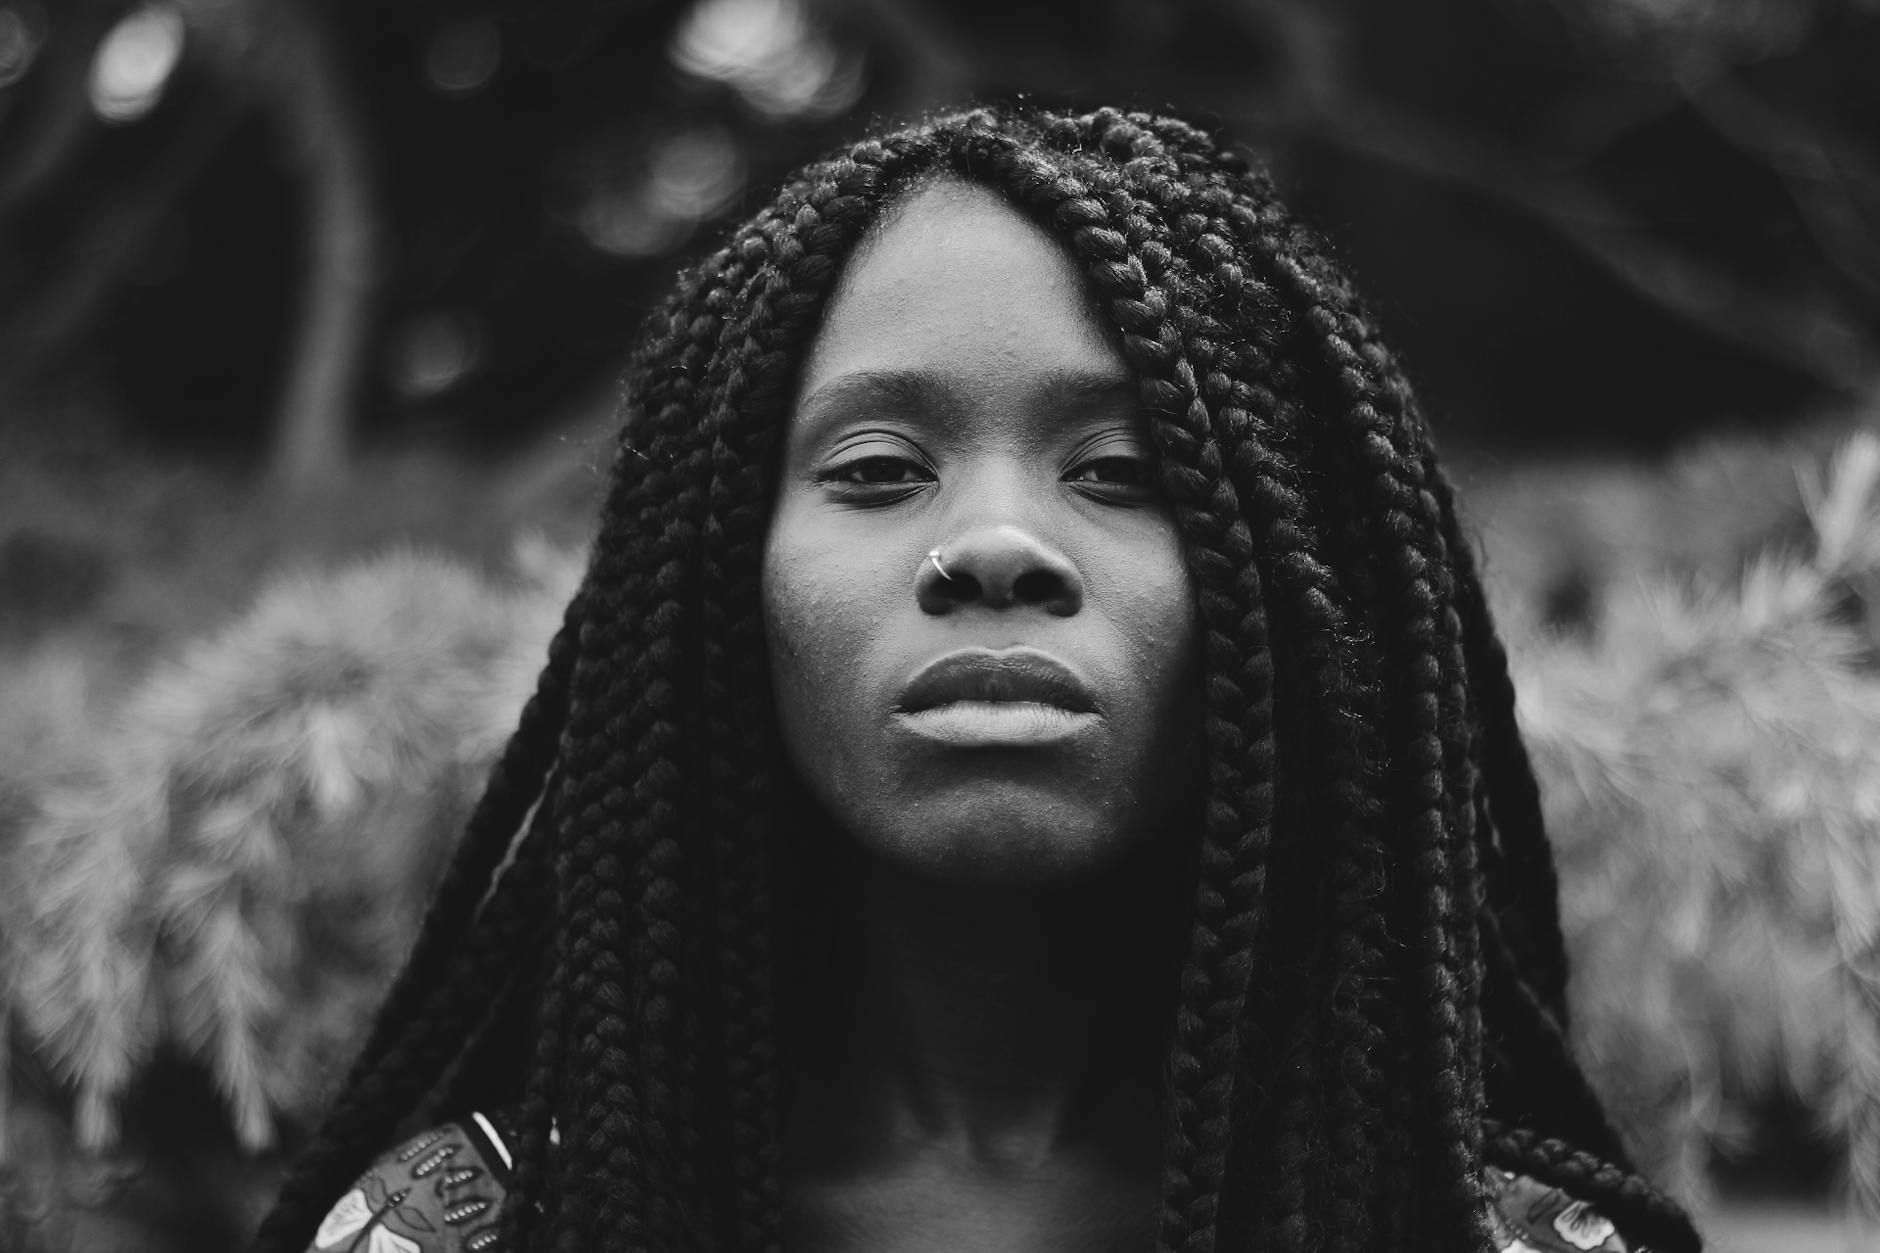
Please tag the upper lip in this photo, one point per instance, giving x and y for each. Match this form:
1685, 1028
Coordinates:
985, 674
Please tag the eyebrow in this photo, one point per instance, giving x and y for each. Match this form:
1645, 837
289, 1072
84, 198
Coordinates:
1070, 390
925, 391
921, 390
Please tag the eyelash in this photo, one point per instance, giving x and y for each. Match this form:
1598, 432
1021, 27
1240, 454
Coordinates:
845, 478
1140, 485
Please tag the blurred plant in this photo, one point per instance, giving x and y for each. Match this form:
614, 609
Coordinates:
226, 868
1711, 759
292, 776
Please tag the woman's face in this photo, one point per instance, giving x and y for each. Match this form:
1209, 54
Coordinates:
1025, 705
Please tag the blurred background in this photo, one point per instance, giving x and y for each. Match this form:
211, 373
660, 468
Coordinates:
310, 318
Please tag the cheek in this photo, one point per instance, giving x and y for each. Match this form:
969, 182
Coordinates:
797, 630
1158, 626
1153, 606
1176, 758
818, 628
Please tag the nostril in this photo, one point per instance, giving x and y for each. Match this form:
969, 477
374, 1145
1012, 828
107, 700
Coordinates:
960, 586
1053, 587
1038, 587
1000, 567
942, 591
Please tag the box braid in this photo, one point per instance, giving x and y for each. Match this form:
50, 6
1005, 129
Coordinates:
1371, 1004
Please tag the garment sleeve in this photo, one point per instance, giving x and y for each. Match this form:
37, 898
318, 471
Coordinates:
1527, 1216
439, 1192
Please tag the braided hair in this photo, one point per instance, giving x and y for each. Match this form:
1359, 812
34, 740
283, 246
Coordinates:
1364, 1018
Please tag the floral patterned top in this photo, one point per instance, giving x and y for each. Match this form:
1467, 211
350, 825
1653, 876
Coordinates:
439, 1193
436, 1193
1527, 1216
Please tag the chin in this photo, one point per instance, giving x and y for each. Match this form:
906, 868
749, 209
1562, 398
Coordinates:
986, 843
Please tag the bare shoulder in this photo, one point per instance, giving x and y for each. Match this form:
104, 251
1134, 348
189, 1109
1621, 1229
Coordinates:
439, 1192
1528, 1216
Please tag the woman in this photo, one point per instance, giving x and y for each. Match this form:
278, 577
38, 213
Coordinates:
1029, 767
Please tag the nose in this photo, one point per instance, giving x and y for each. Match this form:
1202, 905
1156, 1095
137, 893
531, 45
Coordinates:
1000, 567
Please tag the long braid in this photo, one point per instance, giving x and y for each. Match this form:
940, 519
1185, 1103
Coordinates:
619, 585
738, 779
737, 692
1359, 1025
627, 1112
1463, 634
1238, 819
1367, 1030
1439, 870
1357, 864
1514, 796
1440, 841
1547, 926
539, 1096
1527, 969
663, 1155
1444, 976
586, 993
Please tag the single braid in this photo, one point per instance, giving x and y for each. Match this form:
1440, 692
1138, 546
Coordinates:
1532, 893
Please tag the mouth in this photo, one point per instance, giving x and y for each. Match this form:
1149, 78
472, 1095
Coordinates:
985, 676
981, 698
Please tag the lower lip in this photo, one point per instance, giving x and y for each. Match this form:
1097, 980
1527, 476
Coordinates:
996, 724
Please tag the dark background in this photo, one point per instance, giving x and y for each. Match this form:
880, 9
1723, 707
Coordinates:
333, 225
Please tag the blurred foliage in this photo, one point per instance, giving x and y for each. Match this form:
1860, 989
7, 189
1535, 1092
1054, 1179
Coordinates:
277, 229
1705, 717
250, 699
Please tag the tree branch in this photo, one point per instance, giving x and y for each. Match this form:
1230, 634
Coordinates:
282, 53
1813, 339
1826, 183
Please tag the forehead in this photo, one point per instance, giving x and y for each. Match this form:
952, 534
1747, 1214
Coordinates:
956, 281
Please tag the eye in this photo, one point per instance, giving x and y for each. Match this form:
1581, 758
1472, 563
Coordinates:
1116, 479
880, 469
872, 476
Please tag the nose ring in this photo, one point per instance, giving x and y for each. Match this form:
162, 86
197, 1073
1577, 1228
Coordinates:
934, 556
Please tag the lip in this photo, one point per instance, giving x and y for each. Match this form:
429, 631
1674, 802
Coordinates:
994, 677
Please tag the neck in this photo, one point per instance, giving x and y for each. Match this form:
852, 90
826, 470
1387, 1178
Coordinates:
1005, 1022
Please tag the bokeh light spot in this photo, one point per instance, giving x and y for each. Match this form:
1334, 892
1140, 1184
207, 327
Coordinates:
462, 56
770, 52
134, 63
434, 352
22, 34
652, 204
694, 173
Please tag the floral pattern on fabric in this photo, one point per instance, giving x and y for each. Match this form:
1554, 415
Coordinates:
439, 1193
1527, 1216
436, 1193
